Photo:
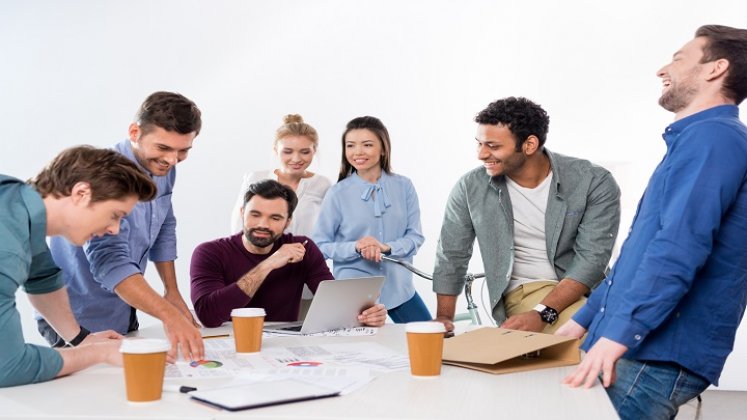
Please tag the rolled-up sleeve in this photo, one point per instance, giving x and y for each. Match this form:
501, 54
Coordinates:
22, 363
455, 244
213, 296
110, 257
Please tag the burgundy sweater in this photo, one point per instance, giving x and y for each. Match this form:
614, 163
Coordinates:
218, 264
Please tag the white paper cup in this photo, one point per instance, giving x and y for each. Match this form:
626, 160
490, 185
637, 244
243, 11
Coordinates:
247, 329
425, 344
144, 366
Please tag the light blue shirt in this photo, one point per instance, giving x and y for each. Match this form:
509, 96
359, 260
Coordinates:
387, 211
93, 271
24, 262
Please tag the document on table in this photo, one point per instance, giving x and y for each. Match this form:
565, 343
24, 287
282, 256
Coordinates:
222, 360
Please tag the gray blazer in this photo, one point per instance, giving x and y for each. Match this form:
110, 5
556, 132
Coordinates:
581, 223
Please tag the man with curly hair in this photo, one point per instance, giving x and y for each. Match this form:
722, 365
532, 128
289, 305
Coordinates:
545, 223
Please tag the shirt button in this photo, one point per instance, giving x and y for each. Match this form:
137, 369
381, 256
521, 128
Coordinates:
601, 310
609, 282
637, 337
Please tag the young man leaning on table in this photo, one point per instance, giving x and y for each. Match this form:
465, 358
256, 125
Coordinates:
261, 267
83, 193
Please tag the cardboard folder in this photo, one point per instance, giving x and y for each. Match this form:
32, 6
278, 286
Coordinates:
498, 350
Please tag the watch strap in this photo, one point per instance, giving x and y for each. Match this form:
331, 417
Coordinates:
80, 337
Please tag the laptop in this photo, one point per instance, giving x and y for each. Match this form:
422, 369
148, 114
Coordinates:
336, 305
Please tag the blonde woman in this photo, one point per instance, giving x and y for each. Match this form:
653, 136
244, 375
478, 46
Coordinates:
295, 146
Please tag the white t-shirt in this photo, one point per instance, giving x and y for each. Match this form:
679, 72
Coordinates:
530, 247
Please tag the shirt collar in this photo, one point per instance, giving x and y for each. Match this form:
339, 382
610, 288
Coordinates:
673, 130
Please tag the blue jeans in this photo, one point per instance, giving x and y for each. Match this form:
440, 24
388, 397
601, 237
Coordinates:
412, 310
652, 390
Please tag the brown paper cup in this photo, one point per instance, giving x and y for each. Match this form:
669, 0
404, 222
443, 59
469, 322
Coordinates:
144, 366
247, 329
425, 343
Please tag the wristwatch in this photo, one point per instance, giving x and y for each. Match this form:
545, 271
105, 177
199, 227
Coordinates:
79, 338
547, 313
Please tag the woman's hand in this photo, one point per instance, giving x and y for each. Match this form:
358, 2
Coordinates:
371, 249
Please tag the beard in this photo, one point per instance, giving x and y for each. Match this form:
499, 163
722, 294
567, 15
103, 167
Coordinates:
260, 242
677, 98
680, 94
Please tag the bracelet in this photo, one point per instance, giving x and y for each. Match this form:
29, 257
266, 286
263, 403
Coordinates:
79, 338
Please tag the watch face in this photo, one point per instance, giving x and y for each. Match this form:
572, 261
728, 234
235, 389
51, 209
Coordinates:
549, 315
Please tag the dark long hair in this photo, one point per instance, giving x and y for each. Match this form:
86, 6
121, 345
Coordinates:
374, 125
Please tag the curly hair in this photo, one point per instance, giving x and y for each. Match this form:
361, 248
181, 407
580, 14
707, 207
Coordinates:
522, 116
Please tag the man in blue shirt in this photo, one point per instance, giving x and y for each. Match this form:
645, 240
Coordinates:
663, 322
105, 277
84, 192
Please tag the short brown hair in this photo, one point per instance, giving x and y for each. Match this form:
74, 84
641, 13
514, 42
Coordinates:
730, 44
170, 111
110, 174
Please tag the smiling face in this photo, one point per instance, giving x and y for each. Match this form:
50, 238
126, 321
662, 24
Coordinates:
496, 148
264, 222
681, 78
159, 150
86, 220
295, 154
363, 151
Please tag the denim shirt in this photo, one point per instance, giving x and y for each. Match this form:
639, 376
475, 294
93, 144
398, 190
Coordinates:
93, 271
581, 223
24, 262
678, 290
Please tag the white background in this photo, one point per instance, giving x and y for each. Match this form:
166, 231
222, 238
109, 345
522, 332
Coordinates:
74, 72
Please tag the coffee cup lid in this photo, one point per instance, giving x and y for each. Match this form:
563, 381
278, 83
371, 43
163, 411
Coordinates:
425, 327
247, 312
144, 345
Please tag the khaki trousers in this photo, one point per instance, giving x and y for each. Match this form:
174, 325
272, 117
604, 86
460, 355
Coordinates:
525, 297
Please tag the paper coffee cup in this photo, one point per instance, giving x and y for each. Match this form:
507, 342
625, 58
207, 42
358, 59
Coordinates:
247, 329
144, 366
425, 343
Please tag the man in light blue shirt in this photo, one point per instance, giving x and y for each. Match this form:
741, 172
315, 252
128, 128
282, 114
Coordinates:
84, 192
663, 322
105, 276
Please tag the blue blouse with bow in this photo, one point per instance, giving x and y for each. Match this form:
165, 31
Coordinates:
387, 211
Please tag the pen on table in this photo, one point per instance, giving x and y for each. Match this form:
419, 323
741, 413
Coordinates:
178, 388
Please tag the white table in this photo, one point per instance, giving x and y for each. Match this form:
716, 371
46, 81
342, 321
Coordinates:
459, 393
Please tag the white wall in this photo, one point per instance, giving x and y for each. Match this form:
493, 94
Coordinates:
74, 72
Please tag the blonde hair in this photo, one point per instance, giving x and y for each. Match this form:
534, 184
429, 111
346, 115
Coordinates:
293, 125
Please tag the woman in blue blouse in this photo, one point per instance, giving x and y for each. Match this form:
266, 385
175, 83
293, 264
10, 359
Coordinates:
372, 212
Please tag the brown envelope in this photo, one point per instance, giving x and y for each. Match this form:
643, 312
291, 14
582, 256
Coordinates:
498, 350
